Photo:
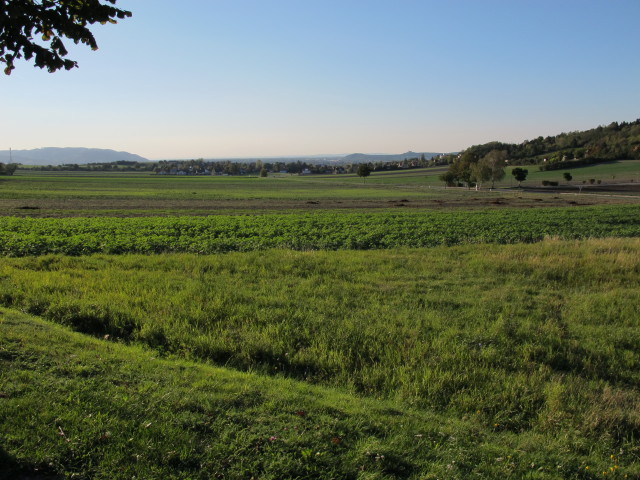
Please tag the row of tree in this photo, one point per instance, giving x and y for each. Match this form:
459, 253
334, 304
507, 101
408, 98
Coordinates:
230, 167
468, 169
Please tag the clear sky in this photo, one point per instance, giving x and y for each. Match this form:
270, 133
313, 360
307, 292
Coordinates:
234, 78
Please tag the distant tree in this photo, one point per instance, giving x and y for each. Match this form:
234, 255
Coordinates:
363, 171
263, 172
461, 169
490, 167
520, 174
8, 169
567, 176
496, 159
50, 20
448, 178
480, 172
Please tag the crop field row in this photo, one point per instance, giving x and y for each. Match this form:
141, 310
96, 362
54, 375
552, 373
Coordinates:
319, 231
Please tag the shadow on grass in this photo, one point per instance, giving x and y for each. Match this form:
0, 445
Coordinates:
11, 469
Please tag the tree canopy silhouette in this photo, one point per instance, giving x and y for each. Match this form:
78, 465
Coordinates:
364, 171
34, 29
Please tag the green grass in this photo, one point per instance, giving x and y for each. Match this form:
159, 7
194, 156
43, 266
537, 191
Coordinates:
536, 337
409, 177
62, 194
125, 194
139, 186
31, 185
618, 171
82, 408
343, 354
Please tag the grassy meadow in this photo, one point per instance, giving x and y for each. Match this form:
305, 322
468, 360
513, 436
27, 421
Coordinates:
78, 407
317, 327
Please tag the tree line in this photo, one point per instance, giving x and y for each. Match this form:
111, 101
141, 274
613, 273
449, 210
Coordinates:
230, 167
487, 162
258, 167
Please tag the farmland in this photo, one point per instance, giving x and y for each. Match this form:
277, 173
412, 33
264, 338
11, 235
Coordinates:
62, 194
307, 231
318, 327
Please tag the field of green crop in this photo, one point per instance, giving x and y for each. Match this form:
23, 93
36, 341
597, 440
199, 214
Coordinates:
466, 335
311, 231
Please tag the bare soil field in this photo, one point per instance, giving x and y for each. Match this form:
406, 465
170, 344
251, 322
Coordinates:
609, 188
133, 207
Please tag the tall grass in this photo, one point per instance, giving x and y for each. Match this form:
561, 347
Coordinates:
541, 336
83, 408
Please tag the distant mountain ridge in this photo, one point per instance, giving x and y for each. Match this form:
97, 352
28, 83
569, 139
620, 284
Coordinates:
80, 155
67, 155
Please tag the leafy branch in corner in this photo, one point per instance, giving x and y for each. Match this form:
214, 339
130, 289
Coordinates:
33, 29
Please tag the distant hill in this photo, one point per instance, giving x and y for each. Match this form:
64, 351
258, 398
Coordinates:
616, 141
59, 156
369, 157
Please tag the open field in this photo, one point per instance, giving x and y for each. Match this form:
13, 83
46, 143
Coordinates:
524, 354
139, 194
627, 171
318, 327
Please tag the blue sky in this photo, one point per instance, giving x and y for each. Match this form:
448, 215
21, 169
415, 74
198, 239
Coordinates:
234, 78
